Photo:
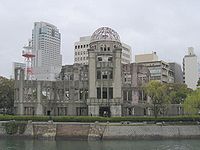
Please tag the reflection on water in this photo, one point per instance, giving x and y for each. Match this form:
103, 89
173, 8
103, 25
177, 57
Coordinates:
14, 144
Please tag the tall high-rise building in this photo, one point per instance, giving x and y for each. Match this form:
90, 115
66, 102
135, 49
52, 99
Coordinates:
46, 40
190, 69
81, 53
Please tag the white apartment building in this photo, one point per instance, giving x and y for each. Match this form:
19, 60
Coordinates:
81, 53
190, 69
47, 62
159, 70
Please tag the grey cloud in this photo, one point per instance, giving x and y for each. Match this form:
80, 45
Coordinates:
168, 27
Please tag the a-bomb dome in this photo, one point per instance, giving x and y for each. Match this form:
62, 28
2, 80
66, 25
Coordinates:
105, 34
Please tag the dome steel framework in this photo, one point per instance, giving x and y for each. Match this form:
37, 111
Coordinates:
105, 34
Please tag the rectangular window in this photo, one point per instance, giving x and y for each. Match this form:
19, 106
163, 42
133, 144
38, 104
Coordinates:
125, 95
105, 93
81, 94
86, 94
110, 59
99, 58
111, 75
129, 95
98, 74
110, 93
105, 76
98, 93
67, 94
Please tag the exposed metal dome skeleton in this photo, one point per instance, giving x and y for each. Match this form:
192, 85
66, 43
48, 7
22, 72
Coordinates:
105, 34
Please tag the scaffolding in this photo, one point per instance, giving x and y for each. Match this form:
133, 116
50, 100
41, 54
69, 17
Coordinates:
28, 56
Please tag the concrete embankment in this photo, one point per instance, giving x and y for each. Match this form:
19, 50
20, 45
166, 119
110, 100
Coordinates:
97, 131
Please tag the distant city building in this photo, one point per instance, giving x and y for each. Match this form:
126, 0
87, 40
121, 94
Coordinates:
81, 53
47, 62
146, 57
178, 73
190, 69
159, 69
17, 65
126, 54
80, 50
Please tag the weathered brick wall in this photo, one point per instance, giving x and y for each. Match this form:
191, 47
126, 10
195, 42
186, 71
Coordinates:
44, 131
72, 131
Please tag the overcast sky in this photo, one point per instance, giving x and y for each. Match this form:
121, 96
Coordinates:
165, 26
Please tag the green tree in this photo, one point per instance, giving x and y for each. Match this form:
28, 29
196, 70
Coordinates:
192, 102
159, 96
6, 95
177, 92
198, 83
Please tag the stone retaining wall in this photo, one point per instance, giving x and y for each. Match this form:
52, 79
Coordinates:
151, 132
96, 131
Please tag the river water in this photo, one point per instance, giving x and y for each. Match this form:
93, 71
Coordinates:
15, 144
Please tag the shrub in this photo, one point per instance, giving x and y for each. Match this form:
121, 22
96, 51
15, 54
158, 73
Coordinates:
12, 127
188, 118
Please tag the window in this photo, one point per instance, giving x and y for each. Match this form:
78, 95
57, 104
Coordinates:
86, 94
99, 58
78, 46
111, 93
101, 48
108, 48
104, 76
129, 95
125, 95
104, 93
104, 48
98, 93
111, 75
81, 46
84, 46
110, 59
75, 47
81, 95
67, 94
98, 74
